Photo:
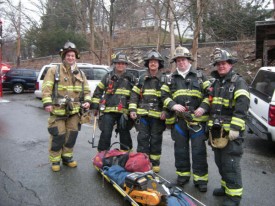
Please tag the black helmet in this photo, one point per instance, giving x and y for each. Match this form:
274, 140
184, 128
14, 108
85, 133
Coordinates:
69, 46
153, 54
182, 52
119, 57
220, 55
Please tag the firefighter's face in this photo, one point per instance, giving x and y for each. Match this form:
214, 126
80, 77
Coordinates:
223, 67
120, 67
182, 63
153, 65
70, 57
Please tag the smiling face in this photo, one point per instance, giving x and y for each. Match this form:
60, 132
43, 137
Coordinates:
70, 58
120, 67
223, 67
153, 65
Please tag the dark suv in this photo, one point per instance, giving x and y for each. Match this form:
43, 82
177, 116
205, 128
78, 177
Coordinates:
19, 80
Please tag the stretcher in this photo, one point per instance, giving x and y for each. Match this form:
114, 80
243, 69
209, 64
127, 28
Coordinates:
148, 189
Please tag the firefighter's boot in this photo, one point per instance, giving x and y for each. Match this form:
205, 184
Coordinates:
56, 166
219, 192
182, 180
156, 169
201, 187
68, 161
231, 201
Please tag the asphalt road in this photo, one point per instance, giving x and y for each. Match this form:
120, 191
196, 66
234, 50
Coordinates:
26, 178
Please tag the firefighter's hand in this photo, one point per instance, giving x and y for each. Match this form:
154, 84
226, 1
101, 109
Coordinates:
86, 105
233, 135
95, 112
49, 108
133, 115
178, 108
163, 115
199, 112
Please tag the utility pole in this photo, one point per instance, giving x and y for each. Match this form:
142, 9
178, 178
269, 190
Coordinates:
18, 54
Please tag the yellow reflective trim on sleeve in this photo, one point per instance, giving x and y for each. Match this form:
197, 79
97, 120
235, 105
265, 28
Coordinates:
165, 88
87, 98
132, 106
171, 120
95, 100
206, 84
115, 109
202, 118
200, 178
47, 100
239, 122
221, 101
47, 84
136, 89
241, 92
167, 101
101, 85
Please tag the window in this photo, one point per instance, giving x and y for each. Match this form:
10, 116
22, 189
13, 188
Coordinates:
15, 73
99, 73
264, 82
28, 73
88, 72
44, 73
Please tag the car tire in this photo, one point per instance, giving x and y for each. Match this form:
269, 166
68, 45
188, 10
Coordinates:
18, 88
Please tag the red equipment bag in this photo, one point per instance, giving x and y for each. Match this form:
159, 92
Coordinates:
138, 162
110, 157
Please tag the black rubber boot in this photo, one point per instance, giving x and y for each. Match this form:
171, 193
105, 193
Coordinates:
231, 201
182, 180
219, 192
202, 187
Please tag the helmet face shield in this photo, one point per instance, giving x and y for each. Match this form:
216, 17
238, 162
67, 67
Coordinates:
69, 46
153, 54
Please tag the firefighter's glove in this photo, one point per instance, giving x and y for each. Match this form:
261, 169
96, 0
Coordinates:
133, 115
233, 135
199, 112
178, 108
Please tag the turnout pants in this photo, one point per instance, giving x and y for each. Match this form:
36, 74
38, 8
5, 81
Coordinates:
150, 138
109, 120
63, 133
228, 162
182, 134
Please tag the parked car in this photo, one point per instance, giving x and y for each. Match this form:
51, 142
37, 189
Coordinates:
261, 114
94, 74
19, 79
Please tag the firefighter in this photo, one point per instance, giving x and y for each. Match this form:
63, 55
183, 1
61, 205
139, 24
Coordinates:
147, 109
229, 102
65, 91
111, 97
183, 94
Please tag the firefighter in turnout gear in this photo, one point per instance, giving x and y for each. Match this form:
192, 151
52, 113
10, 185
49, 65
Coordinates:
184, 95
65, 91
146, 108
111, 97
229, 102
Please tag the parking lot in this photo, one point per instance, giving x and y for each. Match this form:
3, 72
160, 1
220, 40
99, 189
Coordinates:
26, 178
